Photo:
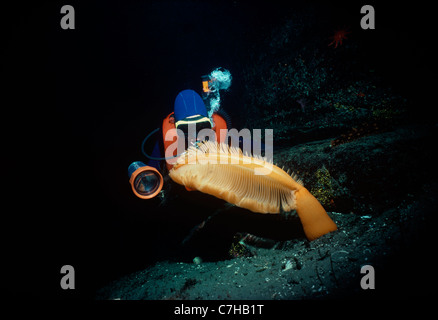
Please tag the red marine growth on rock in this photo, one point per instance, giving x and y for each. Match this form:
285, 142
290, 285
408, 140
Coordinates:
338, 37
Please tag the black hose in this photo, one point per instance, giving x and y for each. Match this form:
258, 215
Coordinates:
227, 118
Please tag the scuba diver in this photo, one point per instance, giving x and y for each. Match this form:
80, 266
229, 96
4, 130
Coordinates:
189, 117
147, 179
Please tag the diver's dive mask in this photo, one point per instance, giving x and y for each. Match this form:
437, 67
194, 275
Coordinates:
146, 181
191, 126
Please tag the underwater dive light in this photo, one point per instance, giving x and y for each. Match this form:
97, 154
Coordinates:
146, 181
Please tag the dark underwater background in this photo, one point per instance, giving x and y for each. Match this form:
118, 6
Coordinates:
80, 103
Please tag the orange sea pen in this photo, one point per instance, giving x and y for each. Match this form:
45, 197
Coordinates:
250, 182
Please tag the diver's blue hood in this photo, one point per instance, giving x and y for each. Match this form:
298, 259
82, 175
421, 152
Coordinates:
189, 103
